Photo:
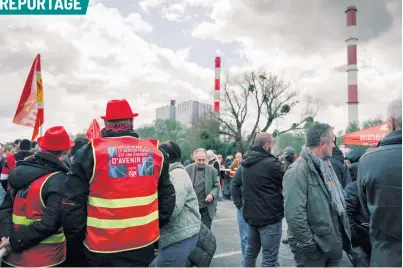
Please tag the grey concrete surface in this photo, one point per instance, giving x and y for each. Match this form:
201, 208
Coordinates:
228, 252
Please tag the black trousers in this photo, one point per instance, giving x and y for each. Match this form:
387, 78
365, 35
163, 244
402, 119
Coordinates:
134, 258
205, 217
4, 184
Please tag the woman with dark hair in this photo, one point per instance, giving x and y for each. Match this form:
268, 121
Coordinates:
179, 237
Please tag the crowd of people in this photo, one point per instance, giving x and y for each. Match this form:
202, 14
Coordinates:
123, 201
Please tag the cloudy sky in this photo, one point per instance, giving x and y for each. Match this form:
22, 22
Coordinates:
151, 51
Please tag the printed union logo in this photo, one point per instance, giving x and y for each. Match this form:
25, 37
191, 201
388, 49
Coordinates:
132, 172
43, 7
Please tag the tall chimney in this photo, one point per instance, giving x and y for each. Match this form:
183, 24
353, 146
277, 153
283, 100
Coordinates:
217, 86
352, 40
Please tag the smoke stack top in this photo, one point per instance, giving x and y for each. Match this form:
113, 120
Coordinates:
352, 69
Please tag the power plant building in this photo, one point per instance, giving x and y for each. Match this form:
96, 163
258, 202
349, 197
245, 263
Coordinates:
186, 113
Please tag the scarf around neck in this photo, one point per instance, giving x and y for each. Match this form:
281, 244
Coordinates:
331, 181
121, 127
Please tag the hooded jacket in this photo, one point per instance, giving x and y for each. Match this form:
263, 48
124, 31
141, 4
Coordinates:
21, 177
262, 179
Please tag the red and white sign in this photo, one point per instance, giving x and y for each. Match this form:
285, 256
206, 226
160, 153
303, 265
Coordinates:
367, 137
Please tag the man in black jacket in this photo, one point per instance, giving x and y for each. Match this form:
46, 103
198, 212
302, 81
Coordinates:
79, 188
360, 240
380, 192
339, 167
36, 186
263, 204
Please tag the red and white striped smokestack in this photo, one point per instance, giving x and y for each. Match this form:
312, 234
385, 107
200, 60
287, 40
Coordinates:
352, 40
217, 85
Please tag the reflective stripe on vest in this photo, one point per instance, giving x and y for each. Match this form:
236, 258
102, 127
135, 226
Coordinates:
232, 172
28, 208
122, 211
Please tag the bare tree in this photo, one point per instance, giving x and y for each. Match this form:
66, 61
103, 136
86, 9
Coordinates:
268, 96
234, 112
308, 113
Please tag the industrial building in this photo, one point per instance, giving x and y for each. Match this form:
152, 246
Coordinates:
186, 113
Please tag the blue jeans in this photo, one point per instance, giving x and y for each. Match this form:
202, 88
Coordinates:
268, 238
2, 194
177, 254
243, 233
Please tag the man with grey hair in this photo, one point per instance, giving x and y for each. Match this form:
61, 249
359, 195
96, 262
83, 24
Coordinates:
315, 209
379, 182
206, 185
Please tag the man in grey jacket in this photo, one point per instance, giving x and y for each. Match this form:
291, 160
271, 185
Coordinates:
315, 209
206, 185
379, 183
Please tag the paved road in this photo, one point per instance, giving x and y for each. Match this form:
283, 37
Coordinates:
228, 252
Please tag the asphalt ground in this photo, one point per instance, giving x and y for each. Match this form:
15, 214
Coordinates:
228, 253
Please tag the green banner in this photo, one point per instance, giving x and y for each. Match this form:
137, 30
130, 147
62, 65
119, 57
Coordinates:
43, 7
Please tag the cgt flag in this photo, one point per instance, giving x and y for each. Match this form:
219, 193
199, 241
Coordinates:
94, 130
30, 110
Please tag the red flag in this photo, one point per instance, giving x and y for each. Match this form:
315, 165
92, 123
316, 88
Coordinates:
30, 111
94, 130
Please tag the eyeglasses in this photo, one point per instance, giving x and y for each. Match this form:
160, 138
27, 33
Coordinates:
326, 128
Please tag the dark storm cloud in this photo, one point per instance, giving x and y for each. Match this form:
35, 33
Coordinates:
373, 18
302, 27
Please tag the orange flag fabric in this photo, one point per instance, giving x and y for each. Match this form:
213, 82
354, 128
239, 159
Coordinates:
94, 130
30, 109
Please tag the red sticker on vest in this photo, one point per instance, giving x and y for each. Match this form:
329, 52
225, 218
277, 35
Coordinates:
130, 161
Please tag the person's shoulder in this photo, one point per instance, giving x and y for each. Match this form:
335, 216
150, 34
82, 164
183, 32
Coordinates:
84, 151
381, 151
57, 175
270, 159
55, 180
179, 174
299, 167
212, 169
190, 166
